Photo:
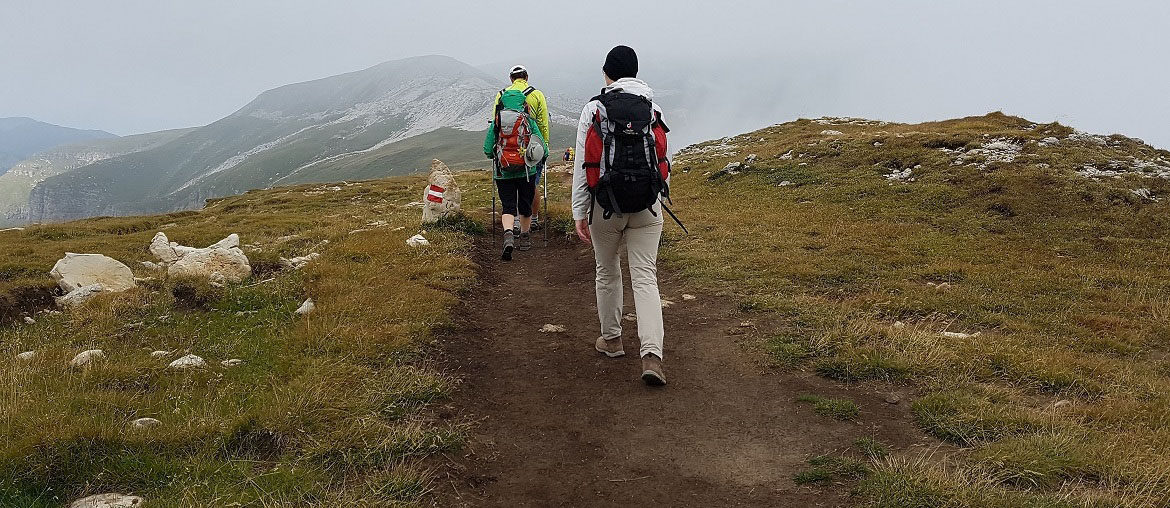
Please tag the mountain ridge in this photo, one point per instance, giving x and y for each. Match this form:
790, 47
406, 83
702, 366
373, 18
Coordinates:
301, 132
21, 136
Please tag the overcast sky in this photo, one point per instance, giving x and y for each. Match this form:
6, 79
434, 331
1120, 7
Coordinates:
137, 66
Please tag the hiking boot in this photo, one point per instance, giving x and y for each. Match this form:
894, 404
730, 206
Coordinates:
535, 223
509, 244
525, 242
611, 348
652, 372
516, 226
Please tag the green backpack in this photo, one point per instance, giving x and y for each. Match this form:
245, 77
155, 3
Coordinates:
514, 128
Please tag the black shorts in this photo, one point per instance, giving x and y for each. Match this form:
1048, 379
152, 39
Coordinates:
516, 195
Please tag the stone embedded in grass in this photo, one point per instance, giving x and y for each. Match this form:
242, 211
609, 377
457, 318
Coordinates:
152, 266
160, 354
26, 356
666, 302
830, 132
417, 241
79, 296
688, 297
899, 324
188, 362
306, 307
551, 328
111, 500
234, 362
143, 423
749, 159
86, 357
961, 335
1144, 193
77, 270
29, 320
298, 262
1062, 403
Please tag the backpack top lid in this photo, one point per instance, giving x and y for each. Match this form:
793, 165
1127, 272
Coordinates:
630, 113
513, 99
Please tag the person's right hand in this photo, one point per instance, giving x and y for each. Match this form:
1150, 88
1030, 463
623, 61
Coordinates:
583, 231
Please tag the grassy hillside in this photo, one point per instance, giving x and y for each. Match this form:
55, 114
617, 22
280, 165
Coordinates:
330, 409
861, 242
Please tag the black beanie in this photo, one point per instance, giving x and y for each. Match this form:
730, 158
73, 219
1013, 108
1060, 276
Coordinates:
621, 62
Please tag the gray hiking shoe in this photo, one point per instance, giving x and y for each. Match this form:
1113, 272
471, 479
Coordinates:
516, 226
525, 242
611, 348
652, 372
509, 244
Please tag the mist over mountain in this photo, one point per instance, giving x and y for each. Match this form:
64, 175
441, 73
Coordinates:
21, 137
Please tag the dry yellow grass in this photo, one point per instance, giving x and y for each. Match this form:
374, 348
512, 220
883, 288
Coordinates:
1061, 399
331, 409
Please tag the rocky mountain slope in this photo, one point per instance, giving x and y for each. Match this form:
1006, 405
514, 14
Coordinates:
342, 127
21, 137
17, 183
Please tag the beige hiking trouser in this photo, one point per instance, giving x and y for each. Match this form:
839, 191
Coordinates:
640, 232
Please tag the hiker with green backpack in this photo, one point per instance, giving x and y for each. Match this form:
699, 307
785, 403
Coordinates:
517, 143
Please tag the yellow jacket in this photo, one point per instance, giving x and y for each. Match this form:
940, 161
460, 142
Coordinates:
536, 102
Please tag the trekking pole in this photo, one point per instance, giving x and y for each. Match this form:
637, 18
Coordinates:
544, 202
492, 182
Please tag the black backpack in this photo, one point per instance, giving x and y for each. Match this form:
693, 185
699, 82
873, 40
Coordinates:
625, 155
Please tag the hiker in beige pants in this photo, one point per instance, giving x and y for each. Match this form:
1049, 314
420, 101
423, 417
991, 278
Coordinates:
643, 170
640, 232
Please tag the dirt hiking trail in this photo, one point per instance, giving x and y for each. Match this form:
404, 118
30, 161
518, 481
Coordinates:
556, 423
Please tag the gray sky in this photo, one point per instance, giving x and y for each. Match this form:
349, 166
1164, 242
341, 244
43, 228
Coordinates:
142, 65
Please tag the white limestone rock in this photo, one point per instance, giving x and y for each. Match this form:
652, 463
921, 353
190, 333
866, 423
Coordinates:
298, 262
442, 197
110, 500
27, 356
160, 354
162, 249
188, 362
28, 320
79, 296
417, 241
551, 328
77, 270
306, 307
143, 423
234, 362
222, 261
87, 357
